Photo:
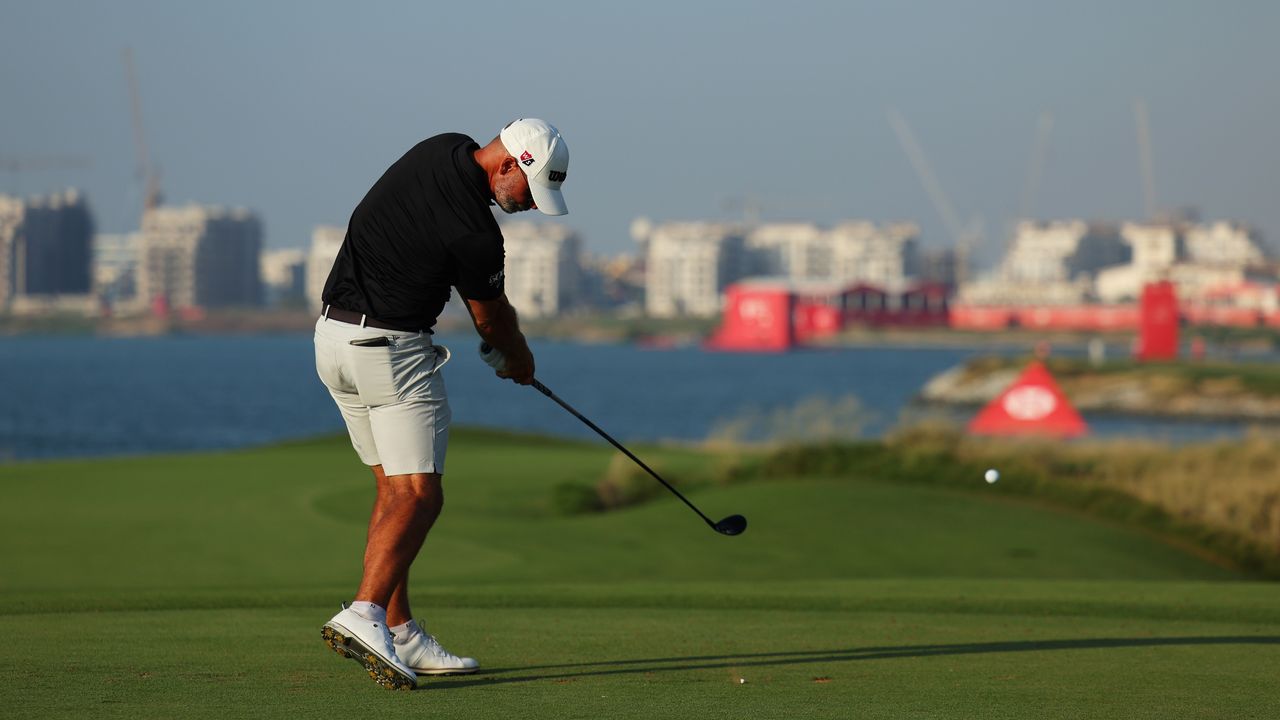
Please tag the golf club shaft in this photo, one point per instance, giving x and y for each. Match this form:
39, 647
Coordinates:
546, 391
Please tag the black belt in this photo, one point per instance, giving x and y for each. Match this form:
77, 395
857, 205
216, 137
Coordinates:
355, 318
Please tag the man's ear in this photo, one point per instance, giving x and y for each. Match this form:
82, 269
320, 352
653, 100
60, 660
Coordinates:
508, 164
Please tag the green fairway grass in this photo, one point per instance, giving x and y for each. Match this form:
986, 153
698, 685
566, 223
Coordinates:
195, 586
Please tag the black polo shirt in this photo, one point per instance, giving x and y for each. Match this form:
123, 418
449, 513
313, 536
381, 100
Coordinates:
423, 227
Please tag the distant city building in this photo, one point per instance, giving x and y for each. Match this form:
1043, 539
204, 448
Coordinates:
12, 213
884, 255
1124, 283
994, 290
284, 276
1061, 251
1155, 247
792, 250
1197, 258
851, 252
115, 269
1071, 262
45, 249
689, 265
543, 269
940, 265
1051, 263
614, 282
200, 257
1224, 243
326, 241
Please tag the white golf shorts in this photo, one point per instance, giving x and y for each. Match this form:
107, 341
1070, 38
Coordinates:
392, 398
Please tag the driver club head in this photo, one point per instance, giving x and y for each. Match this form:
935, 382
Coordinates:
732, 525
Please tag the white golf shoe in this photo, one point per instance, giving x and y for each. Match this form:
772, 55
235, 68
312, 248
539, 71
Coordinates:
424, 655
354, 636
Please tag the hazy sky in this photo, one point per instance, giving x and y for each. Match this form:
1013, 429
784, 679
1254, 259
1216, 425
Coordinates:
672, 110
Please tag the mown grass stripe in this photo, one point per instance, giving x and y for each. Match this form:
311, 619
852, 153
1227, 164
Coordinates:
1170, 609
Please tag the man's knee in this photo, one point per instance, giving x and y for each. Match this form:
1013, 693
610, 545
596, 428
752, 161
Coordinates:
424, 490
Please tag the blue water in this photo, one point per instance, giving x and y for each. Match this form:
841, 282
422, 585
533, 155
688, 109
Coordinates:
85, 396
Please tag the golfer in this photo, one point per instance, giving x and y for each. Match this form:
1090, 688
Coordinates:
425, 226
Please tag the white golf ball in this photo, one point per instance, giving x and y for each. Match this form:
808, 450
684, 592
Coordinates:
991, 475
742, 681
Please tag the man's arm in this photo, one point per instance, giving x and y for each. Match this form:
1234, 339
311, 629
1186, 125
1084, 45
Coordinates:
495, 321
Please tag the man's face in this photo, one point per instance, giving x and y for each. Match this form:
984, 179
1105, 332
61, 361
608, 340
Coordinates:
511, 190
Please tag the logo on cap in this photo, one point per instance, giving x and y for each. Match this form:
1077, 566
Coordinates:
526, 159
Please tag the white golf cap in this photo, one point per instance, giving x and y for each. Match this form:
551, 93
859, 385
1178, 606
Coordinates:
543, 154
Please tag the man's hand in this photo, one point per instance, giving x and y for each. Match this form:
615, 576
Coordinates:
518, 368
496, 360
495, 321
492, 357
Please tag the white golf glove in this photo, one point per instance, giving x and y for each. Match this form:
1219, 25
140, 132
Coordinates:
492, 357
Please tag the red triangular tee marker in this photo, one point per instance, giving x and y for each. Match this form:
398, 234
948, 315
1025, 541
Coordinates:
1032, 405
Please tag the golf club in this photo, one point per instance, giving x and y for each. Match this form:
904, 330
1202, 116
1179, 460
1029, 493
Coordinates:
732, 525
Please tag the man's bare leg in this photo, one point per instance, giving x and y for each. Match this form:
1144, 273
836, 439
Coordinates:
404, 510
420, 651
398, 611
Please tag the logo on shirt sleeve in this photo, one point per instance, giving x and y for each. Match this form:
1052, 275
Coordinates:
526, 158
496, 279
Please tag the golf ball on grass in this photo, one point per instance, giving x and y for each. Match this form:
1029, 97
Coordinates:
991, 475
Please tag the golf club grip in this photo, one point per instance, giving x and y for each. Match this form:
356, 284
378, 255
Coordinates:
547, 391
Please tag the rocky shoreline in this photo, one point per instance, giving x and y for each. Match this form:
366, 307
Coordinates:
1171, 391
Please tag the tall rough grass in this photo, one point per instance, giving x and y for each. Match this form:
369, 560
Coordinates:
623, 484
1230, 485
812, 419
1227, 488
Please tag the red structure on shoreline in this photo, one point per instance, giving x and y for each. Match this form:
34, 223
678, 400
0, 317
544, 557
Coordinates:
757, 317
1158, 337
776, 315
1220, 309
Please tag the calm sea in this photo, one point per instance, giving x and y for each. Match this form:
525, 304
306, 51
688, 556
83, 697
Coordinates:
86, 396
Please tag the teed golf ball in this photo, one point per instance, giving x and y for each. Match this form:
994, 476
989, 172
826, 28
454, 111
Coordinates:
991, 476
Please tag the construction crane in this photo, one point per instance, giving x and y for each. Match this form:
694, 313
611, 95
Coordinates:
41, 163
20, 165
966, 236
1039, 151
1144, 158
151, 177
